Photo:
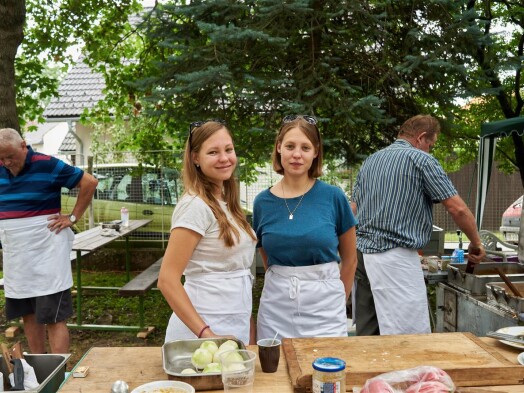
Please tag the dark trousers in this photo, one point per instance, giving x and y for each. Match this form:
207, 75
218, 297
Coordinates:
365, 314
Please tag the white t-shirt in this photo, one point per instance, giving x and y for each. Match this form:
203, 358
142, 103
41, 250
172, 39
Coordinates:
211, 254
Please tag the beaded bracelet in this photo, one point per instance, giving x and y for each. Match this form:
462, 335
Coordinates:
202, 331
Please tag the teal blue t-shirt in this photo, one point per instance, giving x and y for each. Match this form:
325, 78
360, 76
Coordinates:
311, 237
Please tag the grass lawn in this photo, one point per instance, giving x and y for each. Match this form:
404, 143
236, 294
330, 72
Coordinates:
106, 307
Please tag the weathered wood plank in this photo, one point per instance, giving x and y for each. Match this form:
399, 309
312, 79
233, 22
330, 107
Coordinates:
143, 282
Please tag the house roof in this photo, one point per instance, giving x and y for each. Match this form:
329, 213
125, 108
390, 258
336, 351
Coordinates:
37, 137
81, 89
68, 145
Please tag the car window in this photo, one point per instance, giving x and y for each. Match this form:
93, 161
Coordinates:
127, 184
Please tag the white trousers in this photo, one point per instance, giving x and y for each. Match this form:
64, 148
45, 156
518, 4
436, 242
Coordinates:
305, 301
399, 291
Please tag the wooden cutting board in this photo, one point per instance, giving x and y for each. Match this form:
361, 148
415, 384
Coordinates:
468, 360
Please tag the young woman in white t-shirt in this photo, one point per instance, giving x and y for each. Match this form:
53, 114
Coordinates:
211, 244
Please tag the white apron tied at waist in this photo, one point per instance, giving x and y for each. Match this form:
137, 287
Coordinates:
302, 301
37, 261
224, 300
399, 291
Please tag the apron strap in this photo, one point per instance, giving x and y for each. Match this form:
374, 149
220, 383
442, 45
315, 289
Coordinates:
219, 275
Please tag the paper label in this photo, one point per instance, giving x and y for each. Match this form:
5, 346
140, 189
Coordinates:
326, 387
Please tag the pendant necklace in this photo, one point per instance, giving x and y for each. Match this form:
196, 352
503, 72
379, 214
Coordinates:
298, 204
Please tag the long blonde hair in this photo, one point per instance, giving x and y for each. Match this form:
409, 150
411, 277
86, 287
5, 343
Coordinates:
196, 183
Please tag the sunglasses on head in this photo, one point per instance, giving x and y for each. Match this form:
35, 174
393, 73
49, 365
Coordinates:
200, 123
310, 119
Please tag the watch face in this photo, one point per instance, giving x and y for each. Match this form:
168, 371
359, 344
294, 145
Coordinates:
72, 218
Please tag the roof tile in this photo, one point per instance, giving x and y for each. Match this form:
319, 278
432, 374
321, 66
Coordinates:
81, 89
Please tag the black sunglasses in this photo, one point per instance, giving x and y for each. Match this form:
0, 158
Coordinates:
200, 123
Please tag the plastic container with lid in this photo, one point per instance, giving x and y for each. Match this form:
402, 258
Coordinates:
329, 375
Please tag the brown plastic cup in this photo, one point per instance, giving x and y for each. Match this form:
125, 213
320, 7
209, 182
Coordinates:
269, 354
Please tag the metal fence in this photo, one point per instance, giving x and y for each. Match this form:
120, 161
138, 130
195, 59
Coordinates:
152, 191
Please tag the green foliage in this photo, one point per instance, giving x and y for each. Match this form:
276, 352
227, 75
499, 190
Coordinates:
361, 67
52, 30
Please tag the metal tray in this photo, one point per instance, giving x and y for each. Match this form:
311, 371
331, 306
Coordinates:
501, 296
176, 356
49, 371
475, 283
115, 224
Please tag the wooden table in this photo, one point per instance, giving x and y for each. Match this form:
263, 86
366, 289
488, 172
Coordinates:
139, 365
89, 241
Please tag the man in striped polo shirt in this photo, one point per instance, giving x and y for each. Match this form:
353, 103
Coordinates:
393, 199
37, 240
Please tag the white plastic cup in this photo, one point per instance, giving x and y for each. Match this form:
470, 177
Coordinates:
238, 375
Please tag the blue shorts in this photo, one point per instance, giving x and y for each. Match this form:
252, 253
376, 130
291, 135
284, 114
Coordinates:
53, 308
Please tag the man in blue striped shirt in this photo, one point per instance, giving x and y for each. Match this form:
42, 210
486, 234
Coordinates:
393, 199
37, 239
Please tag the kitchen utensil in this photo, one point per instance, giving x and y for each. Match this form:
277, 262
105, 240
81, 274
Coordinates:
466, 357
176, 356
274, 338
508, 282
470, 267
506, 337
18, 374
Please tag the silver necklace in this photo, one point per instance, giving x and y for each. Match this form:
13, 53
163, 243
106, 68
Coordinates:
298, 204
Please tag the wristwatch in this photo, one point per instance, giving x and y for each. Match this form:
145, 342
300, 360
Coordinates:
72, 218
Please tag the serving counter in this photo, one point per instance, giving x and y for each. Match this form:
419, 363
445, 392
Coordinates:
492, 361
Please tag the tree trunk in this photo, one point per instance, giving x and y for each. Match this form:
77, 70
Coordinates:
12, 18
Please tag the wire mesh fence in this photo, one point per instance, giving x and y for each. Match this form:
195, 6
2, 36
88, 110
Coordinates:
152, 191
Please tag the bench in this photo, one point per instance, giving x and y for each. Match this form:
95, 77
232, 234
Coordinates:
139, 286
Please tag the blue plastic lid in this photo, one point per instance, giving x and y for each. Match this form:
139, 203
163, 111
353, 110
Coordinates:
329, 364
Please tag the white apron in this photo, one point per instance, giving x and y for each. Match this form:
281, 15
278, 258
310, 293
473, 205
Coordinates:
224, 300
399, 291
37, 261
305, 301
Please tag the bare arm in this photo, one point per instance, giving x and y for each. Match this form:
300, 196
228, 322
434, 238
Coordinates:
466, 222
182, 243
264, 257
354, 208
348, 259
87, 188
